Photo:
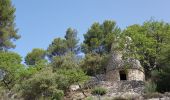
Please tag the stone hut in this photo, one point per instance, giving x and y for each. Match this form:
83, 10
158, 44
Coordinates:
119, 69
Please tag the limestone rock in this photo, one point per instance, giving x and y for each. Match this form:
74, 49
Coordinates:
78, 96
74, 87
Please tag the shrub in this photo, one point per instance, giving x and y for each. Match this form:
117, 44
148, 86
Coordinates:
94, 64
40, 85
150, 87
48, 84
99, 91
10, 69
67, 77
163, 83
58, 95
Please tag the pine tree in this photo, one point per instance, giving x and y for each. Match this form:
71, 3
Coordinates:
8, 32
72, 40
99, 37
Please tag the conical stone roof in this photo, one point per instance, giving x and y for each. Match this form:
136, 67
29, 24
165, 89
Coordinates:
116, 62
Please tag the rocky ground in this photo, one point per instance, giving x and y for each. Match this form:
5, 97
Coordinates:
124, 90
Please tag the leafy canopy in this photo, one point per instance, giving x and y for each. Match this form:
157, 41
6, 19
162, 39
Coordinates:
35, 56
149, 40
10, 63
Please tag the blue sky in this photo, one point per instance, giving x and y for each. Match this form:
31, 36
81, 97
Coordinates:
40, 21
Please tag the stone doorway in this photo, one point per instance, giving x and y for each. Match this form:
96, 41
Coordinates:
123, 75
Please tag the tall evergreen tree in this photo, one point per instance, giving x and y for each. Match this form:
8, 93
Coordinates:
72, 40
8, 32
57, 48
100, 37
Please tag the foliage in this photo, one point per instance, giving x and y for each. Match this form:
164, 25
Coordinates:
67, 77
161, 76
162, 80
94, 64
67, 61
26, 73
38, 79
148, 41
150, 87
8, 32
99, 91
60, 47
35, 56
47, 83
58, 95
100, 37
72, 40
57, 48
10, 64
42, 84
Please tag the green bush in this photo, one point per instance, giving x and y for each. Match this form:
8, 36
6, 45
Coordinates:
58, 95
99, 91
67, 77
49, 84
150, 87
94, 64
40, 85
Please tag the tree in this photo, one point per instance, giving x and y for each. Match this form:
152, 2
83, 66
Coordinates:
35, 56
72, 40
48, 84
148, 41
94, 64
100, 37
67, 77
8, 32
43, 85
161, 76
68, 61
57, 48
10, 64
61, 46
111, 32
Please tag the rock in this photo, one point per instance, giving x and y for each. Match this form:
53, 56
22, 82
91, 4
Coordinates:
132, 96
165, 98
154, 99
123, 87
91, 98
74, 87
78, 96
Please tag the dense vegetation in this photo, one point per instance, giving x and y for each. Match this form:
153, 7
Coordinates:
49, 73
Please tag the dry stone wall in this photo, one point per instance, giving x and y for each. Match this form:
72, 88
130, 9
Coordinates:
134, 74
131, 74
